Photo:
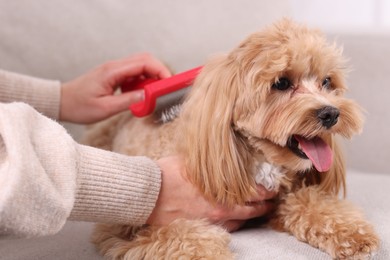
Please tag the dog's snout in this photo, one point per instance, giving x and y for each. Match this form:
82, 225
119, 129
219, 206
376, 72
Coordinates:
328, 116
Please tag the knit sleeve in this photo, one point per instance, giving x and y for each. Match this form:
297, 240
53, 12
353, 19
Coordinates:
115, 188
47, 178
44, 95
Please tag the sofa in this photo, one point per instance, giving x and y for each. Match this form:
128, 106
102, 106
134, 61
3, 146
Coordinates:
62, 39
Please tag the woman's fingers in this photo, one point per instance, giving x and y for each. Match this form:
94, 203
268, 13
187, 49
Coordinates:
245, 212
263, 194
253, 210
141, 64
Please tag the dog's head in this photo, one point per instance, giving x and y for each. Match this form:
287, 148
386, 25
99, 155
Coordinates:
280, 92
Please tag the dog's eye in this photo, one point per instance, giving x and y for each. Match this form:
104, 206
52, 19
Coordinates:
326, 83
282, 84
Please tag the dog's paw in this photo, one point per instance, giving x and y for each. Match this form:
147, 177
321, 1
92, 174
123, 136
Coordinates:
358, 242
335, 226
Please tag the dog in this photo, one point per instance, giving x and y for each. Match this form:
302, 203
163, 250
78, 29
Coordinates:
268, 112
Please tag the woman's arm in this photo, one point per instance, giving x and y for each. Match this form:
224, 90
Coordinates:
46, 178
42, 94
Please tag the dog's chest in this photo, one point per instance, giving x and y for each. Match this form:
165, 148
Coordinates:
268, 175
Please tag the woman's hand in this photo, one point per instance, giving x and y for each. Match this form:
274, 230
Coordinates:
179, 198
90, 97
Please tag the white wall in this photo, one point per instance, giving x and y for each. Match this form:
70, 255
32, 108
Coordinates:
61, 39
344, 16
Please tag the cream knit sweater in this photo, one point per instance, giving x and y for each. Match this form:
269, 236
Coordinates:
47, 178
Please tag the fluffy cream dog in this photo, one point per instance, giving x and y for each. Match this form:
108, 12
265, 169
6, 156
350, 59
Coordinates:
267, 112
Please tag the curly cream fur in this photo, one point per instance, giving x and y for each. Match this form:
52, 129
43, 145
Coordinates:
230, 122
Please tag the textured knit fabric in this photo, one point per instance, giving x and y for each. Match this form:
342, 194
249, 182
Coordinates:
47, 178
42, 94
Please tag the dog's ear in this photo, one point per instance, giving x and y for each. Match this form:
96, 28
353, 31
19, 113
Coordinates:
332, 181
217, 159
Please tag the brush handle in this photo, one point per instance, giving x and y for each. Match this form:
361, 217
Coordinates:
156, 88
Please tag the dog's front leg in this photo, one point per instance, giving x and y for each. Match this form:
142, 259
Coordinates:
326, 222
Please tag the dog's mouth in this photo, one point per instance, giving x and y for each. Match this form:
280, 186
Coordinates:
316, 150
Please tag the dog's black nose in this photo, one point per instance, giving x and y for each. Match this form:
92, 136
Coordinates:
328, 116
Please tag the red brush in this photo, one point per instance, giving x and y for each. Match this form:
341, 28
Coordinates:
160, 93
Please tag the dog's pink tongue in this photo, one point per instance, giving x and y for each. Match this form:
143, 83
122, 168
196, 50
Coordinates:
318, 152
